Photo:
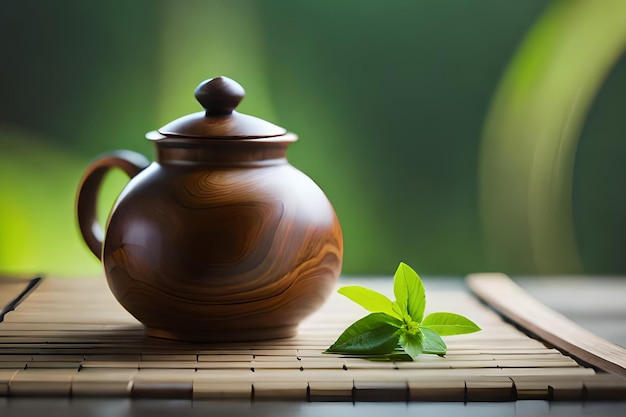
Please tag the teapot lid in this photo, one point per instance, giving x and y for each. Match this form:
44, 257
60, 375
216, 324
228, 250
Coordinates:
219, 96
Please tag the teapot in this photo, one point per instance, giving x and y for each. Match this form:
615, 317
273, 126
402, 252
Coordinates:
220, 239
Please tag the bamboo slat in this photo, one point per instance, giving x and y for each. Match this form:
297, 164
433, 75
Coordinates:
513, 302
71, 338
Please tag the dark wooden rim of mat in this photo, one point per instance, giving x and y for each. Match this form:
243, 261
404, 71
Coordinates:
514, 303
29, 287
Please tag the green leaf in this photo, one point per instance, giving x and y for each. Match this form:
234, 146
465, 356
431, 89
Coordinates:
448, 324
371, 300
398, 310
397, 330
409, 292
432, 343
374, 334
412, 344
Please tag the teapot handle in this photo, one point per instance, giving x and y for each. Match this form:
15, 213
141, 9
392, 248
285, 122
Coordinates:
86, 202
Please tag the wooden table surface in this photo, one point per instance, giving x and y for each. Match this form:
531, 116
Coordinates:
596, 303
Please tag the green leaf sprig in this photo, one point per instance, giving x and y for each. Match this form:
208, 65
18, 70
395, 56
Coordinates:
398, 326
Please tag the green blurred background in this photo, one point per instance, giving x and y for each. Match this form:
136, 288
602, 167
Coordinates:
455, 135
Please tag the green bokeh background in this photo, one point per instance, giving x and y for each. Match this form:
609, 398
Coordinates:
389, 98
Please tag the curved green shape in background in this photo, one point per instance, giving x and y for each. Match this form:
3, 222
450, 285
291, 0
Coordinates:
531, 134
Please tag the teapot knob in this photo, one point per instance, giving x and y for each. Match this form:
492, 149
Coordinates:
219, 95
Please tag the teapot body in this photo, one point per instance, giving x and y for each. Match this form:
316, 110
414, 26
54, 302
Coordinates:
222, 252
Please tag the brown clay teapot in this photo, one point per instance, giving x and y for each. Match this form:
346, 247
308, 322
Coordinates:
220, 239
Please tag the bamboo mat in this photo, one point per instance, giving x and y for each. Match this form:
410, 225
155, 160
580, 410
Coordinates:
69, 337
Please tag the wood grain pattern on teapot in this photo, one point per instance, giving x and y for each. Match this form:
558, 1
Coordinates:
248, 253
